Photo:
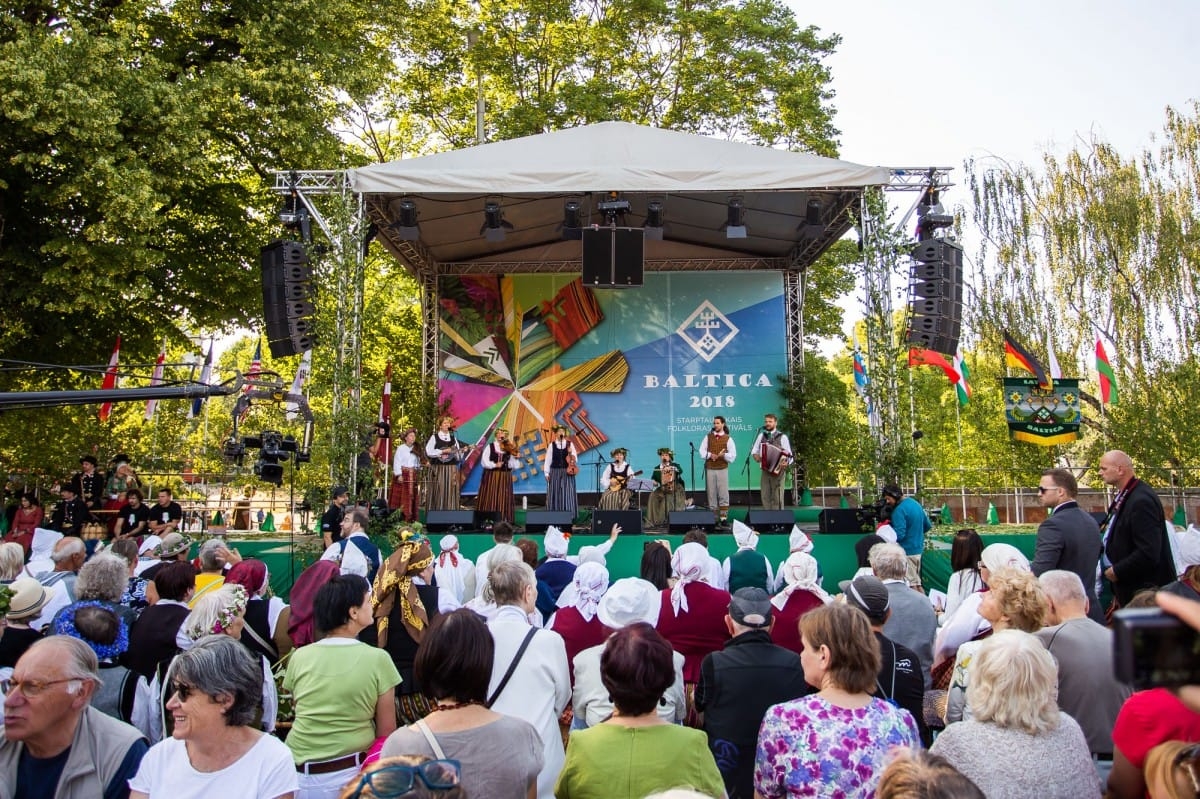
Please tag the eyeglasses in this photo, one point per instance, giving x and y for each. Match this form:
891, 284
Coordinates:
1189, 760
31, 688
396, 780
1043, 490
183, 689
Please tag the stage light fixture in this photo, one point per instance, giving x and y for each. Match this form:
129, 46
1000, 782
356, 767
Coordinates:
813, 226
735, 220
653, 229
572, 229
494, 223
294, 216
406, 225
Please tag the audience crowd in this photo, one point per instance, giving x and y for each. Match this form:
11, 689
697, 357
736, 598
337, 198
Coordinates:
531, 673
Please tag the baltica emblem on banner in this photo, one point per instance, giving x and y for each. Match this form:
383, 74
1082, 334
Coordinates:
707, 331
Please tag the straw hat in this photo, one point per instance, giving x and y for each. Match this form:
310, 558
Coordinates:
29, 597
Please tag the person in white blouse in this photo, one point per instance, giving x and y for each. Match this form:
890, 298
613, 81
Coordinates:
614, 482
773, 452
406, 466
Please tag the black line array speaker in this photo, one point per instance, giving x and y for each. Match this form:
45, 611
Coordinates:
680, 521
762, 520
843, 521
613, 257
630, 521
287, 298
935, 296
442, 521
536, 521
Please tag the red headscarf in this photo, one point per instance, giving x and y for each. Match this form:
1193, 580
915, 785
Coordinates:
301, 627
250, 574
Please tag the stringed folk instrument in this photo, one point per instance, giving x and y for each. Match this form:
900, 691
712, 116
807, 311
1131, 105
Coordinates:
572, 464
618, 482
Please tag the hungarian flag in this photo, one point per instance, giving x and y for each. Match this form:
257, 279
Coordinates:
205, 376
110, 380
920, 357
963, 386
156, 380
382, 453
1108, 378
1018, 357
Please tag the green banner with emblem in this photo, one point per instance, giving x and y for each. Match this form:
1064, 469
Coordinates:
1039, 415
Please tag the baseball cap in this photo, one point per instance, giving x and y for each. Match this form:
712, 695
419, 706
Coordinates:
868, 594
750, 607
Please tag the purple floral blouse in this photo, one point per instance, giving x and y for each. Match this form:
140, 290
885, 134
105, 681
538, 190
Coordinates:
809, 747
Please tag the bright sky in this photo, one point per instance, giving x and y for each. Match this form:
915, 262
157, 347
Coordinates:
932, 84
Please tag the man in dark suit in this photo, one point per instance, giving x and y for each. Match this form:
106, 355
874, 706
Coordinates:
1069, 539
1137, 552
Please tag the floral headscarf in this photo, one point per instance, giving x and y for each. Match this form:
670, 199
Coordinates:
590, 581
800, 573
690, 563
394, 583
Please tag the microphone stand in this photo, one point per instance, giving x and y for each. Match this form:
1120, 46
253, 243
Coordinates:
600, 461
749, 499
692, 444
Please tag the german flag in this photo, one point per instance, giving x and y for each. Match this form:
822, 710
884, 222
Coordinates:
1018, 357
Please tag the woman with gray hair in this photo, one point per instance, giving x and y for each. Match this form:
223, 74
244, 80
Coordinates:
1017, 742
215, 690
102, 579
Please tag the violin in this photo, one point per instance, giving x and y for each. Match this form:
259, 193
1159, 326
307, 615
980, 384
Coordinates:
510, 447
572, 464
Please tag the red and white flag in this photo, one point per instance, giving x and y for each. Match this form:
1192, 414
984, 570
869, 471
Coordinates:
383, 452
156, 380
110, 380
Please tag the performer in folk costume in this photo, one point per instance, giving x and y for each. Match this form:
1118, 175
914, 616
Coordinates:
499, 459
560, 467
406, 467
773, 452
89, 484
718, 451
445, 452
669, 493
615, 480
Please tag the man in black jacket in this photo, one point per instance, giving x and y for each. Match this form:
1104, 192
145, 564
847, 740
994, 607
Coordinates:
1137, 552
1069, 539
331, 520
740, 682
901, 679
71, 513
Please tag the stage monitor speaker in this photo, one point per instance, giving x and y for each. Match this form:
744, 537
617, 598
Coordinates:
630, 521
613, 257
536, 521
450, 521
842, 521
485, 519
680, 521
287, 298
763, 521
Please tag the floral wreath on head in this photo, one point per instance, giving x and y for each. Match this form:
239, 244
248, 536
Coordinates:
65, 625
227, 614
670, 453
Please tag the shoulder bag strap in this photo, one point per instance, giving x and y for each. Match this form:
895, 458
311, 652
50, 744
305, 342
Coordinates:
267, 645
511, 667
423, 728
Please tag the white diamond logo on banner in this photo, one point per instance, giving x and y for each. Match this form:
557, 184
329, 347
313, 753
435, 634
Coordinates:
707, 331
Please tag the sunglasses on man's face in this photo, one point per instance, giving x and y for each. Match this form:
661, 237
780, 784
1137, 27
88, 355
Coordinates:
396, 780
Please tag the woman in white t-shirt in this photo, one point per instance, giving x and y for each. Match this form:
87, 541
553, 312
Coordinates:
215, 691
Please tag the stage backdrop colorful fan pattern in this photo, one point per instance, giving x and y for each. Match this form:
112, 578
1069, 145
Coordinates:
639, 368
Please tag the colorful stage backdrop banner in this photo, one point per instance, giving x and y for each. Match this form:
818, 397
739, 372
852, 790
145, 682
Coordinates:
639, 368
1041, 416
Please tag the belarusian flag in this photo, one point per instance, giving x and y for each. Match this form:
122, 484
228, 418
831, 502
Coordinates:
922, 357
1108, 378
963, 386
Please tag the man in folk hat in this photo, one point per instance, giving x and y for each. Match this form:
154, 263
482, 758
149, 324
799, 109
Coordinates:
70, 514
89, 484
747, 567
172, 548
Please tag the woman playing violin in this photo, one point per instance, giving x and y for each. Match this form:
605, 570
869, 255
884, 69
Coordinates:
499, 460
616, 479
560, 468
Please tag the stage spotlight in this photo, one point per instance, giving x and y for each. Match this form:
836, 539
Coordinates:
294, 216
571, 227
653, 228
813, 226
494, 223
735, 221
406, 226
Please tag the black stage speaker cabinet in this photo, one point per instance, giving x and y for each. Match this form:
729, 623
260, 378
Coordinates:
680, 521
613, 257
536, 521
288, 292
935, 296
630, 521
843, 521
763, 521
450, 521
485, 519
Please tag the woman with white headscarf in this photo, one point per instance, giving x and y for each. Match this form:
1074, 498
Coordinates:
454, 572
801, 593
967, 624
578, 624
556, 572
1187, 547
692, 615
